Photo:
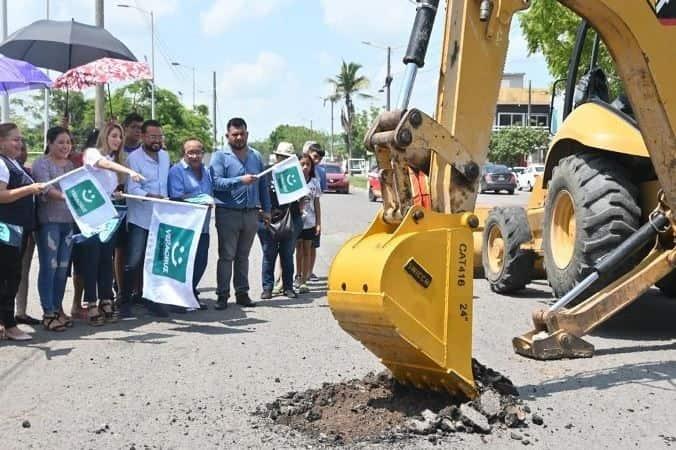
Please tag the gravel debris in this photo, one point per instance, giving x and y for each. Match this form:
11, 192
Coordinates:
379, 409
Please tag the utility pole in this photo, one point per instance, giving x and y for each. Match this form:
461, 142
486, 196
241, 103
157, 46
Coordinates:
99, 102
213, 109
388, 78
5, 98
332, 103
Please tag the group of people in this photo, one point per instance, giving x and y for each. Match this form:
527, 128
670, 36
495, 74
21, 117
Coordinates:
107, 274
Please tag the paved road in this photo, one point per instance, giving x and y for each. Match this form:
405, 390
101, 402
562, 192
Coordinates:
192, 381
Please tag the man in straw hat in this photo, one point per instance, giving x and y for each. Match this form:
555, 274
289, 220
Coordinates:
274, 245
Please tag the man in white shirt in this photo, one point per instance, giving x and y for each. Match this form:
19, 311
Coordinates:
153, 163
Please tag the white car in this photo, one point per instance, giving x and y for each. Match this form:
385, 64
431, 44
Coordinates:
527, 178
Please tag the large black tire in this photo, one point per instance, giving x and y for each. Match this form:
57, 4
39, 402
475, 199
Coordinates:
607, 212
513, 271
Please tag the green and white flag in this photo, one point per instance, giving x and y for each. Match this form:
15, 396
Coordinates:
170, 253
87, 201
11, 234
289, 181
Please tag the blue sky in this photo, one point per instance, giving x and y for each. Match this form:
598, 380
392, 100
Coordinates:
271, 57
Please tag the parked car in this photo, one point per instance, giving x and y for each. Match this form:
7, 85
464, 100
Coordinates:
496, 178
336, 179
527, 178
517, 170
374, 185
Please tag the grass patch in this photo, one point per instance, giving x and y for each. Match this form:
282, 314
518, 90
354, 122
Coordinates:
359, 181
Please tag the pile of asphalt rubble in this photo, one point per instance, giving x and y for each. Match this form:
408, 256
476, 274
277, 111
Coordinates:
379, 409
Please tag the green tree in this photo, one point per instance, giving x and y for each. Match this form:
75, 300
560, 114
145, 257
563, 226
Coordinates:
511, 145
551, 28
348, 84
297, 135
178, 122
362, 123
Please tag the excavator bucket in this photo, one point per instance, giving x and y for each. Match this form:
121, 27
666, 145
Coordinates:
405, 292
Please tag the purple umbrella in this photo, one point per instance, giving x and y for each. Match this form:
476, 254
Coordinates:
16, 76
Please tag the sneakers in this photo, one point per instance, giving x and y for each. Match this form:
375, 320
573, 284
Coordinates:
266, 295
243, 299
303, 289
278, 289
221, 303
290, 293
314, 277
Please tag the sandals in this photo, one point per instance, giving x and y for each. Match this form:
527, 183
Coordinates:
66, 321
110, 313
94, 317
52, 323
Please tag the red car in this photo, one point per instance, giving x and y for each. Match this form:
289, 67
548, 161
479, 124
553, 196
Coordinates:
374, 185
336, 179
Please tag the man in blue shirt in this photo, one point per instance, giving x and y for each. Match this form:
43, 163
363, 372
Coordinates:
242, 196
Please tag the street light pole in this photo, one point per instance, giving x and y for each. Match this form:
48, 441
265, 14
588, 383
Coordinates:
388, 77
5, 98
174, 63
152, 53
152, 62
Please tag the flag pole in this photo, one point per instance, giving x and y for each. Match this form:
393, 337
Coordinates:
163, 200
65, 175
269, 169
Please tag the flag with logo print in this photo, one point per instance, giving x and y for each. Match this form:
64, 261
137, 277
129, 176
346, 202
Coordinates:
170, 253
289, 181
87, 201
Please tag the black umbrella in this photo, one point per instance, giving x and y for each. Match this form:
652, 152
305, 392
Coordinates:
62, 45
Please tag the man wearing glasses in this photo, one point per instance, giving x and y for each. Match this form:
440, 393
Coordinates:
153, 163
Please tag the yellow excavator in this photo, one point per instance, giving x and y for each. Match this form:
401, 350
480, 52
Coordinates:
404, 287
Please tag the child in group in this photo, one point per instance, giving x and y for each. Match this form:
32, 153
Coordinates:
311, 214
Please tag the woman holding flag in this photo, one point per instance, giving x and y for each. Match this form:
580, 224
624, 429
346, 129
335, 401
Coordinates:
96, 258
55, 229
17, 219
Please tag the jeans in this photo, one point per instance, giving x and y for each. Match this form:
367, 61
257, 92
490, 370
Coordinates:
54, 246
236, 232
96, 268
134, 255
201, 259
272, 248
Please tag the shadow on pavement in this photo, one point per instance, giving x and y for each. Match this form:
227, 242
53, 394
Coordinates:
651, 317
645, 374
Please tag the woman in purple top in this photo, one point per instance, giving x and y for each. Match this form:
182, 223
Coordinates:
55, 229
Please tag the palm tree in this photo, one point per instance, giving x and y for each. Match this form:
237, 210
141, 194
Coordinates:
333, 99
347, 84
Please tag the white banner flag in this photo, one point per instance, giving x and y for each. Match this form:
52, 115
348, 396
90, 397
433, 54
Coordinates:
87, 201
170, 253
289, 181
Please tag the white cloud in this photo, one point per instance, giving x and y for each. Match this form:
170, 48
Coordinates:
250, 77
224, 13
370, 19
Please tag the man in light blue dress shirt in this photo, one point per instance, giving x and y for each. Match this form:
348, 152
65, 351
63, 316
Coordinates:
242, 197
153, 163
189, 179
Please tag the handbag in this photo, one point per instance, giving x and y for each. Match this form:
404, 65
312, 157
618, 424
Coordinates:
281, 226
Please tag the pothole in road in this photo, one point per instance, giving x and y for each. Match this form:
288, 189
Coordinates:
379, 409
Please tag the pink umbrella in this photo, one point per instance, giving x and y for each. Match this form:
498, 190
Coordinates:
102, 71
